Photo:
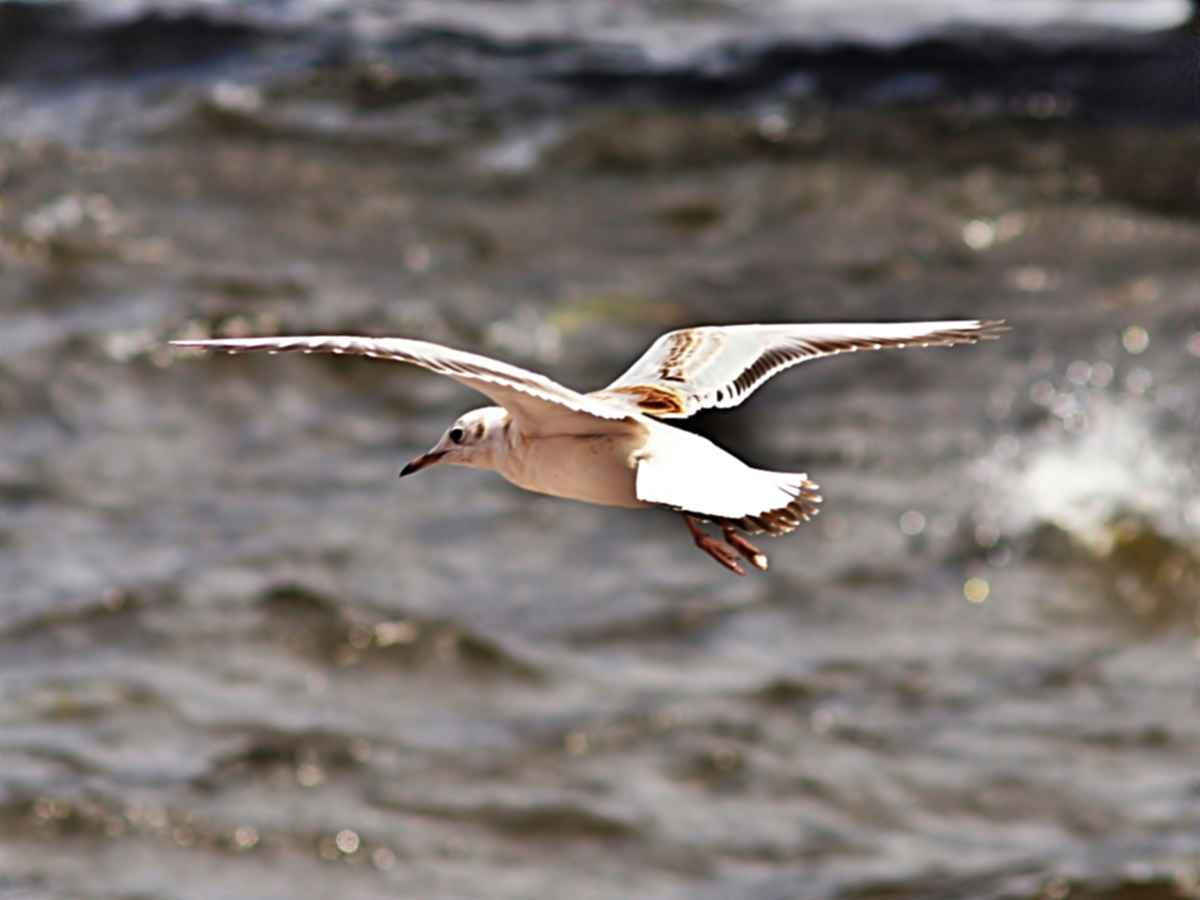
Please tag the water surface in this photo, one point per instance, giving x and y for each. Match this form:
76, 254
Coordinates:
238, 658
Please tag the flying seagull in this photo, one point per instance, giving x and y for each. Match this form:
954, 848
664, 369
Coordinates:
612, 447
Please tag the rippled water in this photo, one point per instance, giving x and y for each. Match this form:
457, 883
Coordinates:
238, 658
667, 29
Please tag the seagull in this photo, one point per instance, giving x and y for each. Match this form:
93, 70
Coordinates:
614, 447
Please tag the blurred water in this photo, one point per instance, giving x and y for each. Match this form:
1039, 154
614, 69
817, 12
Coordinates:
668, 29
238, 658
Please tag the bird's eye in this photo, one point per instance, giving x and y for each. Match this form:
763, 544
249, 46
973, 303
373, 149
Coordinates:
456, 435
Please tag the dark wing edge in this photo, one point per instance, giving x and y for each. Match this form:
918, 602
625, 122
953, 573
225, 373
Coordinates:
775, 360
657, 383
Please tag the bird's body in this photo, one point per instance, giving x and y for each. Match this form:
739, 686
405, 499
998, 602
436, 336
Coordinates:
603, 468
611, 447
598, 468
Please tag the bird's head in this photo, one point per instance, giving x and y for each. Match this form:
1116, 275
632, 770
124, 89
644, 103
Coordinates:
471, 441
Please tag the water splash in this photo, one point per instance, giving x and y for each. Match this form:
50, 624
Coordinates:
1101, 489
1115, 467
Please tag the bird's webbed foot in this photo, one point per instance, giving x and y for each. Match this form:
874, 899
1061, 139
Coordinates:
756, 557
727, 552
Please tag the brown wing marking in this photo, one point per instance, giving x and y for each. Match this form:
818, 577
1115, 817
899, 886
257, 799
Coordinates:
651, 399
683, 344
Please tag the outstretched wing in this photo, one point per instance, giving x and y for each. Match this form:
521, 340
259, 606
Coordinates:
528, 396
692, 369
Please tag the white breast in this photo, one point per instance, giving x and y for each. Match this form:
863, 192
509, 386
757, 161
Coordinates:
593, 468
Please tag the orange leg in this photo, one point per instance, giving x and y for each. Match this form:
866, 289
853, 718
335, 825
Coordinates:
757, 558
722, 553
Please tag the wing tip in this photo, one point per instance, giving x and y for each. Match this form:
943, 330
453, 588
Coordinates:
224, 345
964, 331
263, 342
991, 329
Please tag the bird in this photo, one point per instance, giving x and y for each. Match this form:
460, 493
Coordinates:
615, 446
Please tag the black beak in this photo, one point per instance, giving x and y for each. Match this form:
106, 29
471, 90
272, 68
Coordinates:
427, 459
